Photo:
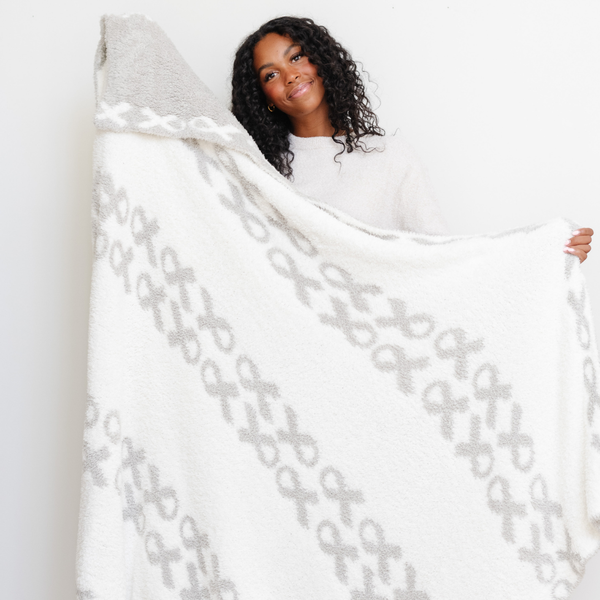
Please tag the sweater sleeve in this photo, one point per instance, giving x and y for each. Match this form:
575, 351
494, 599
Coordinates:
417, 207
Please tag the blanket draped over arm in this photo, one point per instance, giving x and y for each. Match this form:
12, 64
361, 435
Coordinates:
288, 404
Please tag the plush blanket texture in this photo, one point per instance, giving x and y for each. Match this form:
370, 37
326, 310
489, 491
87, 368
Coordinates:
288, 404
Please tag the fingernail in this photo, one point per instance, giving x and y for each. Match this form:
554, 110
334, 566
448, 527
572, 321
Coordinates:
569, 250
576, 232
567, 242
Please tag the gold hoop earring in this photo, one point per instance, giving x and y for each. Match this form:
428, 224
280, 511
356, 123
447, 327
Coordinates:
271, 107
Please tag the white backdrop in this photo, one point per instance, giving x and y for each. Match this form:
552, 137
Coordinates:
501, 100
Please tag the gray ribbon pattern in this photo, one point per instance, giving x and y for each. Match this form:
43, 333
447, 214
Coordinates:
459, 352
401, 364
344, 280
583, 327
494, 391
143, 235
175, 563
591, 386
288, 479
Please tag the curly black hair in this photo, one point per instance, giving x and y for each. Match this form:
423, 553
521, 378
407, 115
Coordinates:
349, 108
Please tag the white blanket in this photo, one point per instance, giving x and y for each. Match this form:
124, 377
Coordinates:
288, 404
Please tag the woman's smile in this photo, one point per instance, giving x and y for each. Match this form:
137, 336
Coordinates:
301, 89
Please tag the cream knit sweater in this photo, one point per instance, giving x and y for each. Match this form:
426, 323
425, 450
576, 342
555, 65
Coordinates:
387, 187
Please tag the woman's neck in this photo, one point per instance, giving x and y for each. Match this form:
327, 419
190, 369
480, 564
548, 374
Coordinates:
314, 124
312, 130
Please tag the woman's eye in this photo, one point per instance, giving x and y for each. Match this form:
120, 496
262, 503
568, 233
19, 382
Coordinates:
268, 76
297, 56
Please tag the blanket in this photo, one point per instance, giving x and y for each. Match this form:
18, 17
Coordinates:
288, 404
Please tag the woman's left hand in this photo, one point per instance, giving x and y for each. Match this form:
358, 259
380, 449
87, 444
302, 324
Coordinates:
579, 244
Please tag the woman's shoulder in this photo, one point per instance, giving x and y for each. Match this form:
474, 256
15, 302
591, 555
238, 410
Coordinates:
394, 143
392, 149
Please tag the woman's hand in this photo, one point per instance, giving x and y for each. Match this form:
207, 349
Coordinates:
579, 244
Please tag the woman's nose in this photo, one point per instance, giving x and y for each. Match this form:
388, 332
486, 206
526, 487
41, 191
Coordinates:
293, 76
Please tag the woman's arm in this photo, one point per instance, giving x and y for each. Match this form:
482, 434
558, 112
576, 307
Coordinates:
418, 210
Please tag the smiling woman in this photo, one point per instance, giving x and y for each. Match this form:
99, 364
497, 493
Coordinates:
300, 95
291, 83
271, 62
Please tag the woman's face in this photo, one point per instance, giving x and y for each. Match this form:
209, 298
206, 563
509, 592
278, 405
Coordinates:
288, 79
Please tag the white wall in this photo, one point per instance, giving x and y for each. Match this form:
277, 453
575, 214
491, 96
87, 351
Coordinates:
501, 99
